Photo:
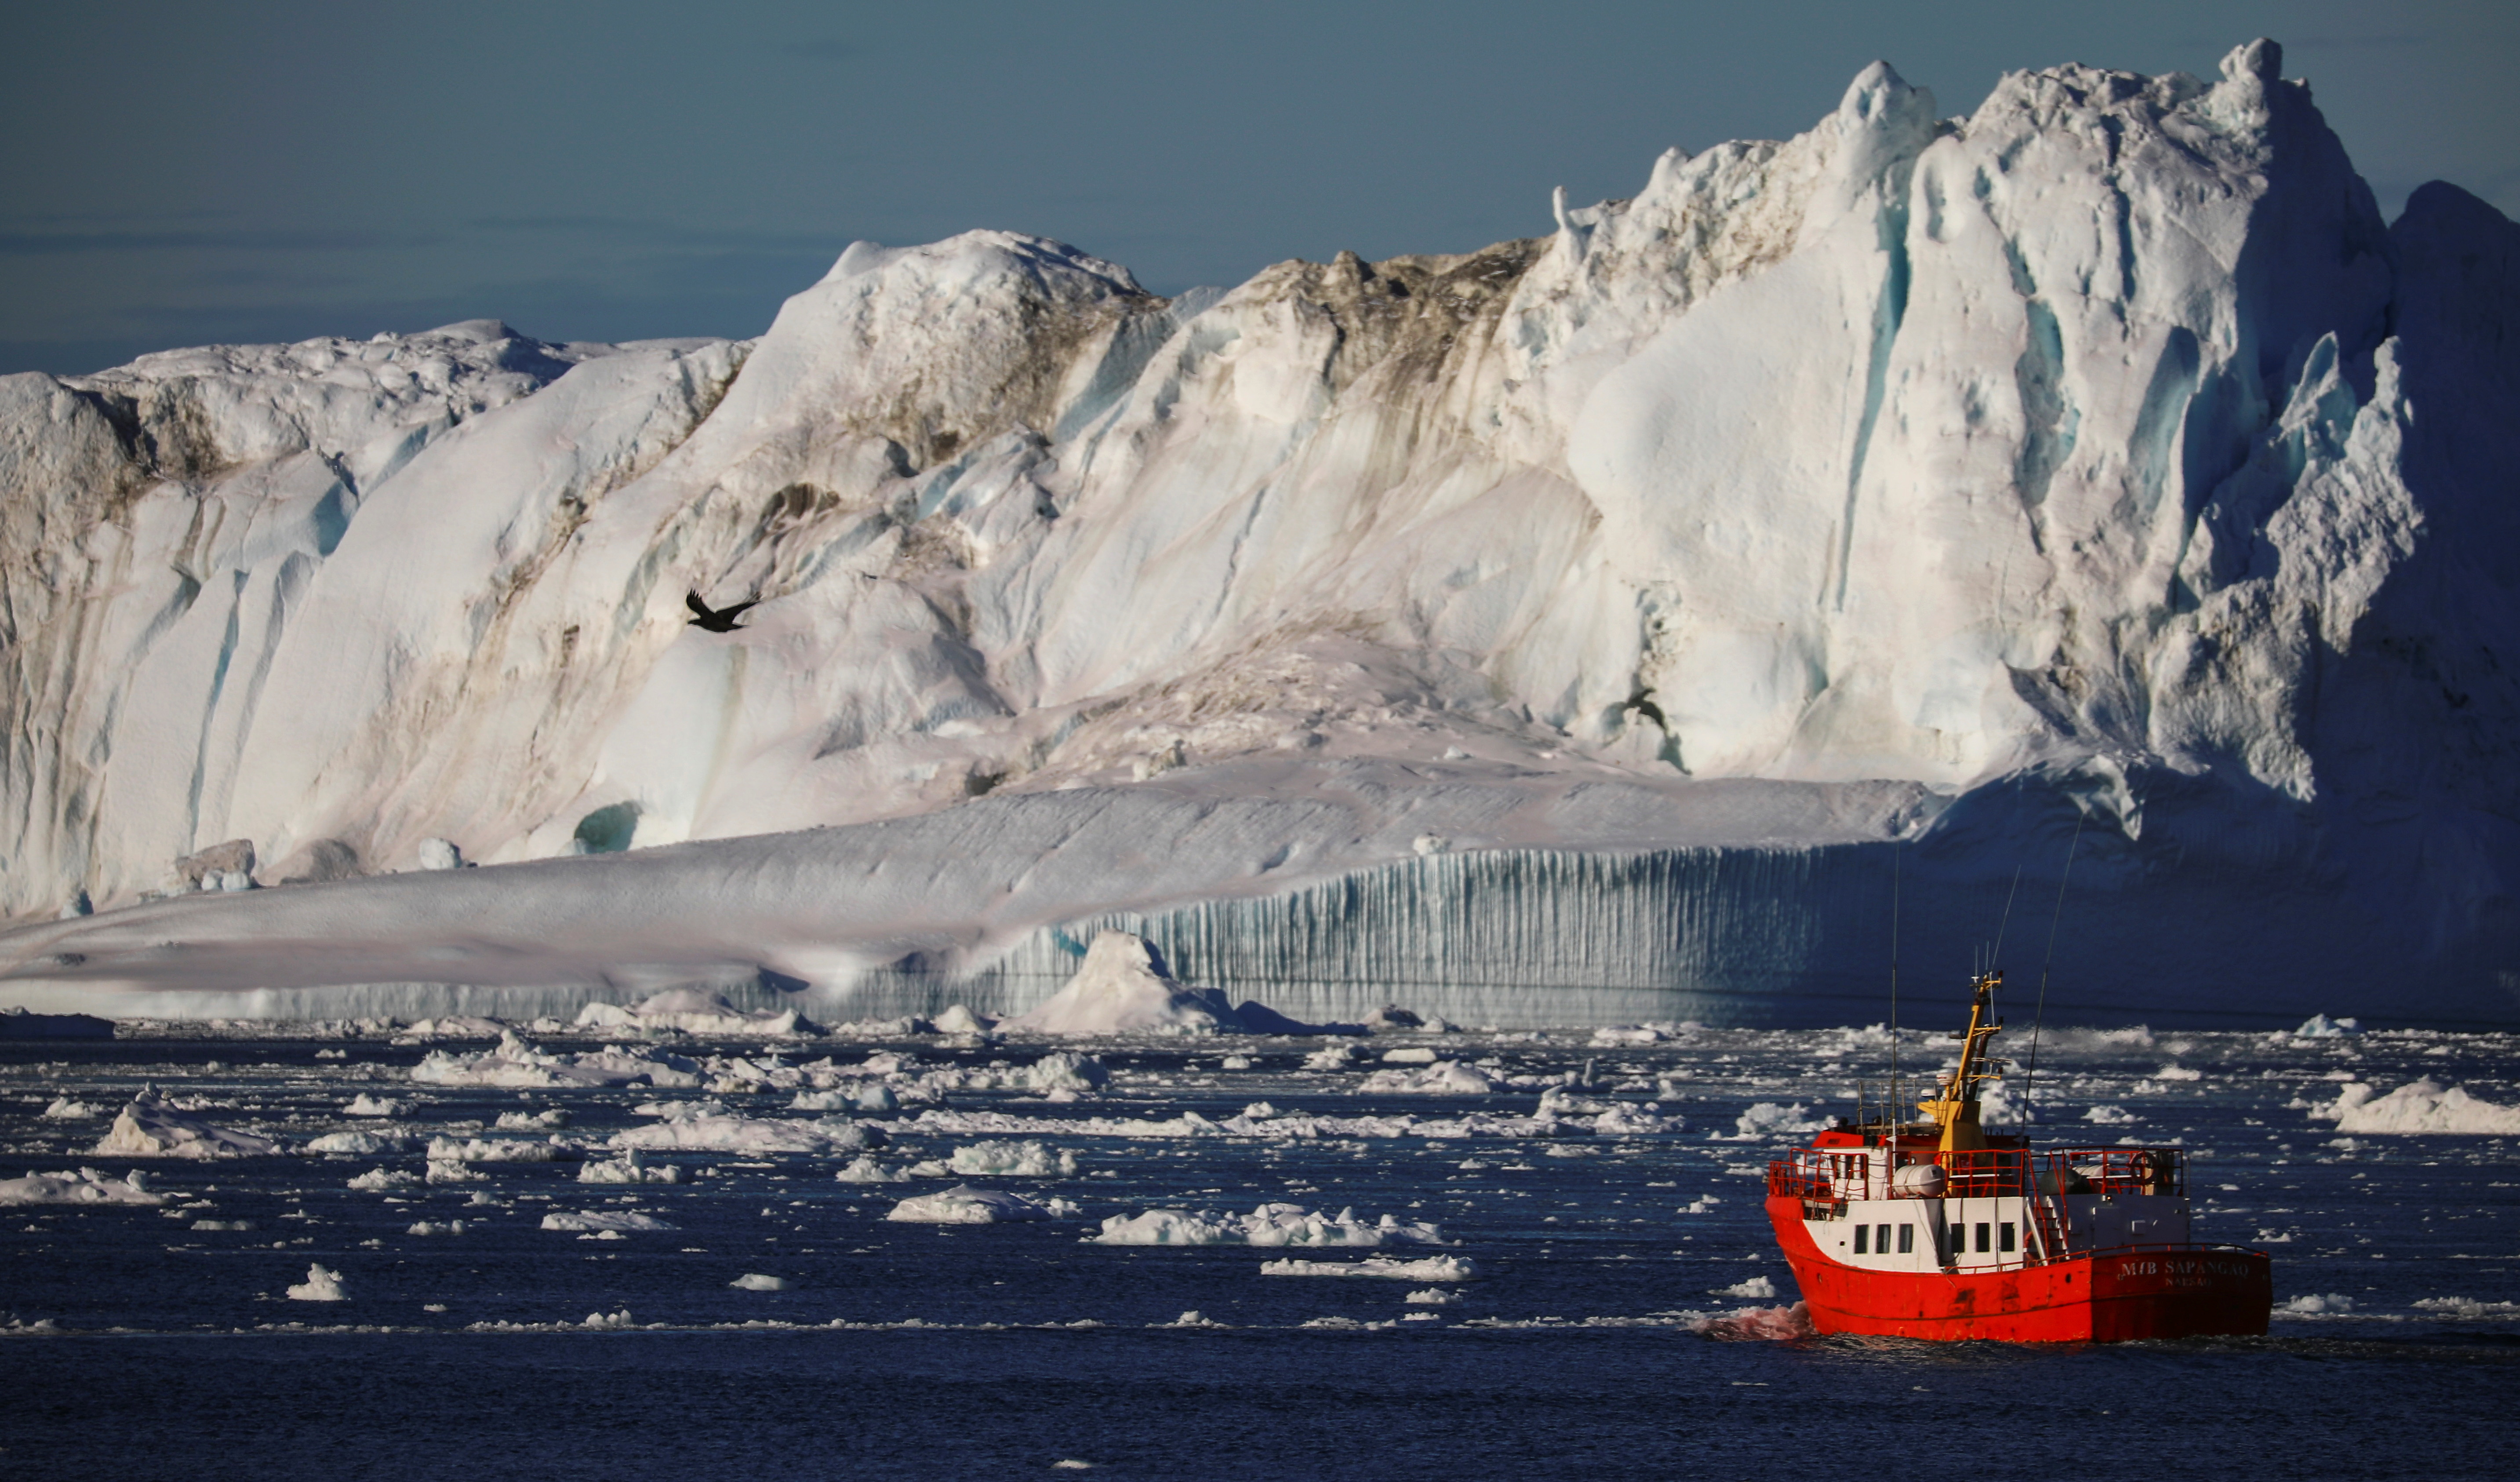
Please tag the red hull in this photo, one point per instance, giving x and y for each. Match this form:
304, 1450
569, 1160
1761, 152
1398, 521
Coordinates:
2107, 1297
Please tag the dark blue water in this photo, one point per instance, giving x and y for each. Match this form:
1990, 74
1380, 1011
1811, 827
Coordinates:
1594, 1341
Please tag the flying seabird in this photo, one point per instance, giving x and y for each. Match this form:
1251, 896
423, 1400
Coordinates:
716, 620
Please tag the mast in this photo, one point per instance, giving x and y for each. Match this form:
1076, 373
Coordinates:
1954, 1107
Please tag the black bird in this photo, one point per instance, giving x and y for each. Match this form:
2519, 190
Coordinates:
716, 620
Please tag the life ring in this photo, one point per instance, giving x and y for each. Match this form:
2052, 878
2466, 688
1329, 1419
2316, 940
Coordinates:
2142, 1168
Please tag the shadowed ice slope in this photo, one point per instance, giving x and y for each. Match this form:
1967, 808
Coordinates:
2101, 456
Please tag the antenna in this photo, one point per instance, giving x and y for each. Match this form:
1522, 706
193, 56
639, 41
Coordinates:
2030, 1077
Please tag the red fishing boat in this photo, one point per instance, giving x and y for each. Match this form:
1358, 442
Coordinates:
1936, 1229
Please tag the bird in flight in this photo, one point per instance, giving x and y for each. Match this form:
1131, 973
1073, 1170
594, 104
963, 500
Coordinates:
716, 619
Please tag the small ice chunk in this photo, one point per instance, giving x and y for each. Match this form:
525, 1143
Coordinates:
322, 1285
753, 1280
1432, 1296
962, 1204
1022, 1160
436, 1228
2320, 1027
378, 1179
362, 1143
2317, 1305
866, 1170
1427, 1269
440, 854
602, 1220
366, 1106
64, 1110
1757, 1289
958, 1020
2110, 1116
1767, 1118
1442, 1078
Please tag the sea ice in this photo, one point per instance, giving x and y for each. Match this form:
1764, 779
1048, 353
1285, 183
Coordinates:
2419, 1107
2316, 1304
1757, 1289
739, 1134
629, 1168
866, 1170
1432, 1296
694, 1011
152, 1128
962, 1204
64, 1110
1443, 1078
85, 1187
602, 1221
753, 1280
491, 1150
366, 1106
1022, 1160
518, 1064
1424, 1269
1123, 988
322, 1285
1767, 1119
379, 1180
365, 1144
1268, 1225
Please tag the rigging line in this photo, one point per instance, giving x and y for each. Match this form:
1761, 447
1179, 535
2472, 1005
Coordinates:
2005, 922
1897, 1116
2030, 1076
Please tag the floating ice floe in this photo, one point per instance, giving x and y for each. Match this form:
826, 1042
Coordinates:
2416, 1108
866, 1170
694, 1011
962, 1204
436, 1228
602, 1220
1767, 1119
1432, 1296
64, 1110
2320, 1027
152, 1128
1443, 1078
322, 1285
721, 1133
360, 1144
85, 1187
861, 1096
379, 1180
1425, 1268
1757, 1289
753, 1280
2467, 1307
532, 1122
959, 1020
492, 1150
366, 1106
1022, 1160
2317, 1305
1270, 1224
515, 1063
2109, 1116
1061, 1071
629, 1168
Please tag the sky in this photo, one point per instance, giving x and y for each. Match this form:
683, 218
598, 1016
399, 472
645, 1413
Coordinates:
196, 173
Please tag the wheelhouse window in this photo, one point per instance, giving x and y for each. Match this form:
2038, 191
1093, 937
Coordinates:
1985, 1239
2004, 1236
1907, 1238
1881, 1239
1862, 1233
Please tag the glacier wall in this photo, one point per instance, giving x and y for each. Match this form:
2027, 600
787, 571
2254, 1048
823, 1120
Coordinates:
2104, 446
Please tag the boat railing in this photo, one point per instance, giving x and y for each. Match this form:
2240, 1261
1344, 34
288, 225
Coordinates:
1831, 1176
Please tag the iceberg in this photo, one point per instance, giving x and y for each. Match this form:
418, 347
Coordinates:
1572, 630
151, 1127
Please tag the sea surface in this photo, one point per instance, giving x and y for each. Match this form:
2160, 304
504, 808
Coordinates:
1614, 1306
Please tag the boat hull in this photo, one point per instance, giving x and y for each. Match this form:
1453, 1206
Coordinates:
2107, 1296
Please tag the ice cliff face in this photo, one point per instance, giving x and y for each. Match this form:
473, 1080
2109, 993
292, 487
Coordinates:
2101, 453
